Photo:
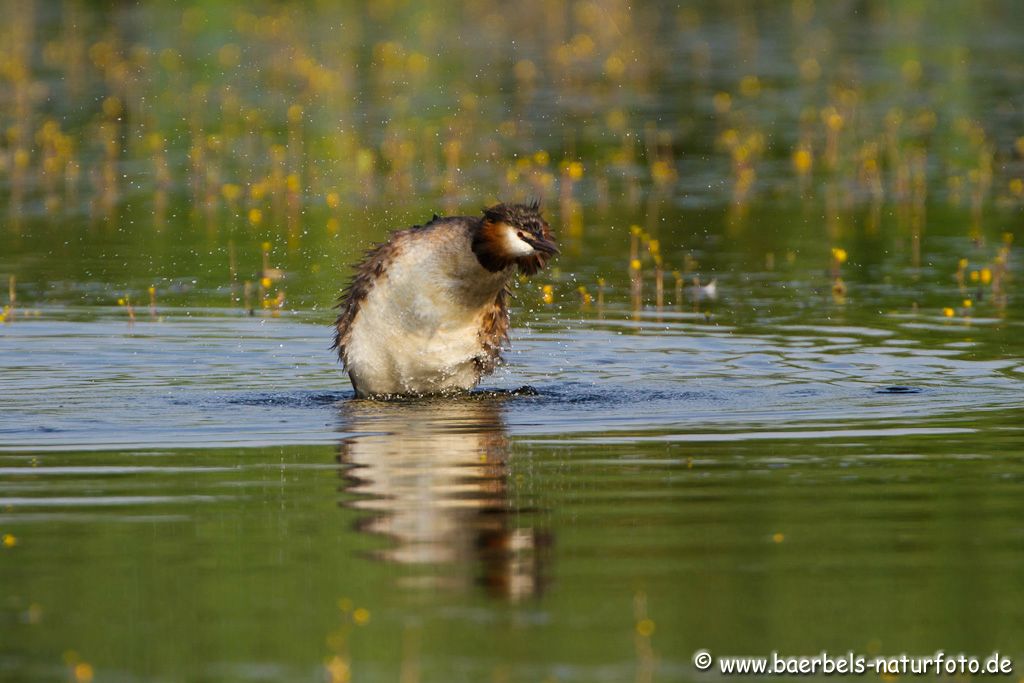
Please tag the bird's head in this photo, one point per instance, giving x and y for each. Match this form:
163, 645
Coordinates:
514, 234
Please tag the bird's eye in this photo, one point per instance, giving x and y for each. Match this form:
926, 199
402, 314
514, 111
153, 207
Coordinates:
520, 234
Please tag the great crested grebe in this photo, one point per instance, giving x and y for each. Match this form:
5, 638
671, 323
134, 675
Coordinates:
426, 312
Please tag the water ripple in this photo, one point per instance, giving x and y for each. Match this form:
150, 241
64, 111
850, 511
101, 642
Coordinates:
225, 381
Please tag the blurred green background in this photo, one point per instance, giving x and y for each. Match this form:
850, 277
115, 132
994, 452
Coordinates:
171, 145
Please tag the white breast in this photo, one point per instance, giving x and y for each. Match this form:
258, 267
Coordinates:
417, 331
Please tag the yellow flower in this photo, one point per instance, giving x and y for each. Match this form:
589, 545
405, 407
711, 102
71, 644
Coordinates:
9, 540
231, 191
361, 615
338, 670
83, 672
802, 160
547, 294
645, 628
750, 86
839, 254
662, 171
948, 312
833, 119
255, 216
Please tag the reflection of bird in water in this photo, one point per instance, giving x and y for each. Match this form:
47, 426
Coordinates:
434, 475
426, 311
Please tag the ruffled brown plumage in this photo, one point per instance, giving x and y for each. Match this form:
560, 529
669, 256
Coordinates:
494, 332
365, 274
427, 311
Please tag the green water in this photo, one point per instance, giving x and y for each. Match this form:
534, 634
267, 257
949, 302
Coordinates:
822, 455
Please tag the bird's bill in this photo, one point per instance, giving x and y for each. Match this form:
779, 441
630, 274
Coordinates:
543, 245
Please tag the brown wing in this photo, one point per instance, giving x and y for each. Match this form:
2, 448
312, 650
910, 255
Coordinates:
367, 272
494, 332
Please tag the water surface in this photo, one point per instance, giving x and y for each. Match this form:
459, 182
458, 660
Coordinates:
212, 493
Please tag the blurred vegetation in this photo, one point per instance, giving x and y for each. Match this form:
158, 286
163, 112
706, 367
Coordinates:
318, 126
